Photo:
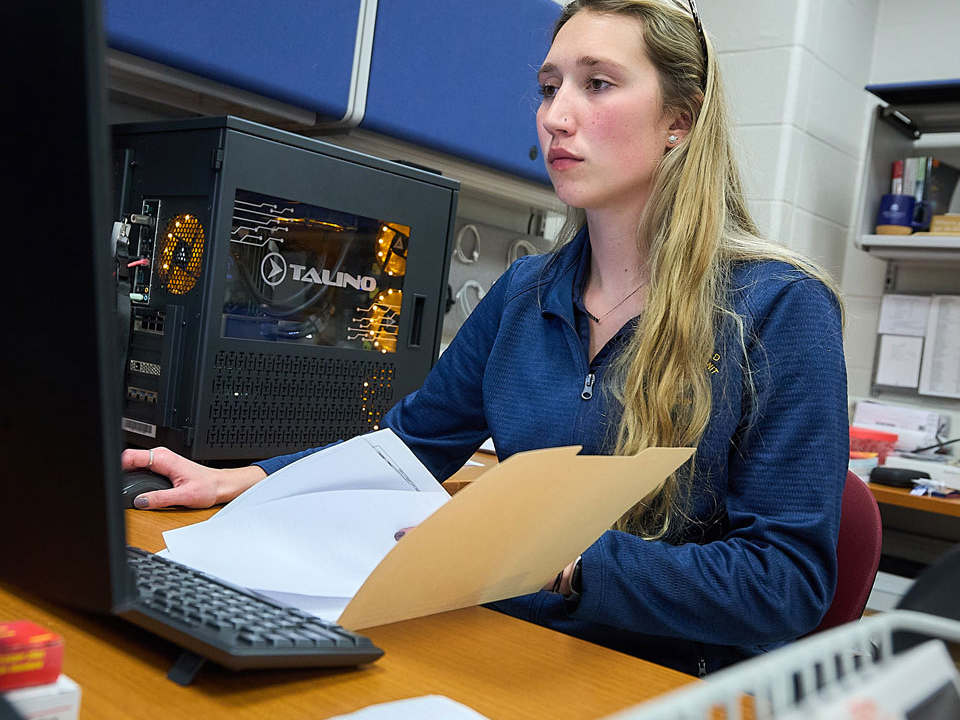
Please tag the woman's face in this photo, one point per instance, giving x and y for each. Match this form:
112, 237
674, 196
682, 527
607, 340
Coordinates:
601, 125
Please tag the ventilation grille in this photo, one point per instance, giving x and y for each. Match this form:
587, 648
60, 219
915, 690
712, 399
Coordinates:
281, 404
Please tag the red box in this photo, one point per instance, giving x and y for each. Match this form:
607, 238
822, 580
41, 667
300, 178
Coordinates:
29, 655
868, 440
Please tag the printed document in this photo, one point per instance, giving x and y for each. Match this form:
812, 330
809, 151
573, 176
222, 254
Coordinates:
904, 315
940, 370
377, 461
899, 362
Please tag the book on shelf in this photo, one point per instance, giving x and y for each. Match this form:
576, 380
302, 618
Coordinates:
909, 176
896, 178
929, 180
940, 187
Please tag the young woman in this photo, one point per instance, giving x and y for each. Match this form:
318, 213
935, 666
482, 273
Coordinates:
665, 320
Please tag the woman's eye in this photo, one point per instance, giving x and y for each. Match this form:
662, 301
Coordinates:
548, 91
597, 84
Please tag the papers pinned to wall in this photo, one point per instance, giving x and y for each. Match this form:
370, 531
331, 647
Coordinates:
904, 315
940, 372
899, 362
920, 344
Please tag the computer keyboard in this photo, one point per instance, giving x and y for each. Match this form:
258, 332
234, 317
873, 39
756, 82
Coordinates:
233, 626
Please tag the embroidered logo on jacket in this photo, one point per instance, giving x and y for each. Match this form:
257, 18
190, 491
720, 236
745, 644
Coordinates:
711, 364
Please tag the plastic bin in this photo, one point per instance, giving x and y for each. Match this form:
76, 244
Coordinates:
824, 666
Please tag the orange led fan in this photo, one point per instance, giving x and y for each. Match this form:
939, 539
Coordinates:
179, 254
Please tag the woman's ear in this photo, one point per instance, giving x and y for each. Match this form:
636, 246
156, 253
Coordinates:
679, 128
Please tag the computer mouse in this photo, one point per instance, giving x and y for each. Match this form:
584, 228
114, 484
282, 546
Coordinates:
140, 481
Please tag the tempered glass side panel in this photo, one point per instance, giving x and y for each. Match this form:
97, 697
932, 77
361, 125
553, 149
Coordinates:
304, 342
302, 273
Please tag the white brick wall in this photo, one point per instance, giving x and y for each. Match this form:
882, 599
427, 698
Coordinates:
795, 72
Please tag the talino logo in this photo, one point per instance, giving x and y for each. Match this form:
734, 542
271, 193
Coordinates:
273, 270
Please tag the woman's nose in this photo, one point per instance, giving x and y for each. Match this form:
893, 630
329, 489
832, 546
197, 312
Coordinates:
556, 116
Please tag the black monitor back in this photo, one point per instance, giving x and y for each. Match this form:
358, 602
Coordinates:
62, 533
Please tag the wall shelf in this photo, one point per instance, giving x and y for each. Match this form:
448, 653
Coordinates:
920, 118
913, 248
917, 108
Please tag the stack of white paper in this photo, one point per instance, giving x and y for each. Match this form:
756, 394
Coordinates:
914, 427
311, 534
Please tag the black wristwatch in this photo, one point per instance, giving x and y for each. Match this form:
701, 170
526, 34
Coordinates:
576, 584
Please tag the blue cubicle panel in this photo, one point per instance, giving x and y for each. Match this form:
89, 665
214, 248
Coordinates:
459, 76
296, 51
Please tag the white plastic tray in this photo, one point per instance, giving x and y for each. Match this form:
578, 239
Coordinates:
824, 665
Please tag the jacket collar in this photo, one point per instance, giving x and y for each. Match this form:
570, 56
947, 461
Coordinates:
570, 263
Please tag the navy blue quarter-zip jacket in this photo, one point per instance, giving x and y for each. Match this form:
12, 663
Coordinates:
757, 566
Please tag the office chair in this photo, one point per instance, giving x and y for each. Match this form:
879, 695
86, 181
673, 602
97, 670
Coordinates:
935, 591
858, 553
937, 588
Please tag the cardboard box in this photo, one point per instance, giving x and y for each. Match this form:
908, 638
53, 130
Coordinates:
946, 224
29, 655
59, 700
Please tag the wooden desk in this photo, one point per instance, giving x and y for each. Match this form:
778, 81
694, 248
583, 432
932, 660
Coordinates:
500, 666
917, 529
901, 497
468, 473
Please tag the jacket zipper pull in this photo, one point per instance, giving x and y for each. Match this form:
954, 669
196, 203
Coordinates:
588, 381
701, 667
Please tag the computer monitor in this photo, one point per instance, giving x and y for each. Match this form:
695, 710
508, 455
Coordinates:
62, 534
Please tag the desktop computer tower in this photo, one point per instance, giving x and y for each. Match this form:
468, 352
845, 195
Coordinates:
283, 292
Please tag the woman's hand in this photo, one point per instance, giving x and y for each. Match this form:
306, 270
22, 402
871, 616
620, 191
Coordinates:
401, 532
194, 485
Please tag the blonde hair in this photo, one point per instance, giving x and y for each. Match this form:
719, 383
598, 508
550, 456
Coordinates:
695, 225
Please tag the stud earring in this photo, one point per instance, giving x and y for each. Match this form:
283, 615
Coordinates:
672, 139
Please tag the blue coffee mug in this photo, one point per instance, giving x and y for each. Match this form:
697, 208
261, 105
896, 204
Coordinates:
903, 210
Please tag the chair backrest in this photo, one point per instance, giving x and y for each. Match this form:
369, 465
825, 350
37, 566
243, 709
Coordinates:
858, 553
935, 592
937, 588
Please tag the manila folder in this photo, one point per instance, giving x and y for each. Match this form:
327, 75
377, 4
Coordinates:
508, 533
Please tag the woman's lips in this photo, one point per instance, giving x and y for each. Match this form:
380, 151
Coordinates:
561, 159
564, 163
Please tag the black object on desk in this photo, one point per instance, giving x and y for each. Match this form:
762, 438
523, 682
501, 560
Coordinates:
896, 477
233, 626
138, 482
